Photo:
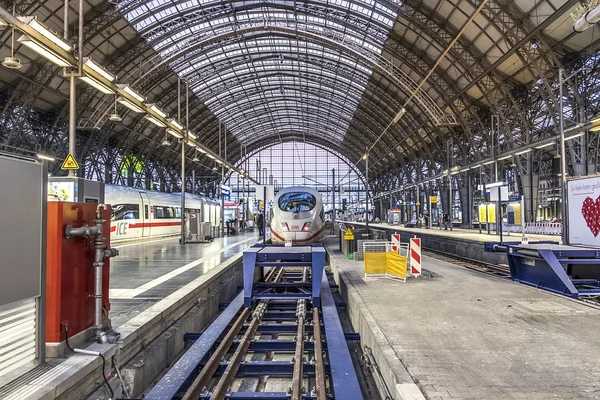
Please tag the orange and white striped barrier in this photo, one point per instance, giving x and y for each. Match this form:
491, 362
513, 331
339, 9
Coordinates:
415, 256
395, 241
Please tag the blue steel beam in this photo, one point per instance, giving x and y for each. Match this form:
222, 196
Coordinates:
343, 376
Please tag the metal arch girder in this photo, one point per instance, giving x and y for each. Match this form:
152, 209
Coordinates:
367, 57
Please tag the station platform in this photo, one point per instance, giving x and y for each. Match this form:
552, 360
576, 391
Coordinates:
467, 234
146, 272
158, 292
458, 334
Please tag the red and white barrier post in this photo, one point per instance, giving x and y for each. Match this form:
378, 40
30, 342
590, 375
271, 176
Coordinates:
415, 256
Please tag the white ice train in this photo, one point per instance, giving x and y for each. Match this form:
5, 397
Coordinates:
297, 215
138, 213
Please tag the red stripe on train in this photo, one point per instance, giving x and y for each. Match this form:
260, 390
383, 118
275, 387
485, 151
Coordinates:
148, 225
154, 224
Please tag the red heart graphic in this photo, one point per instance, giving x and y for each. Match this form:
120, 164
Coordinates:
591, 213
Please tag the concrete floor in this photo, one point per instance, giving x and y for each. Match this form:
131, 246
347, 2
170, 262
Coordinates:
465, 335
146, 272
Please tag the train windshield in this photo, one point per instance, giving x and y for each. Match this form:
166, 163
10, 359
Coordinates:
297, 202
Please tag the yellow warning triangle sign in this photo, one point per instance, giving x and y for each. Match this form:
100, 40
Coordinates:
69, 163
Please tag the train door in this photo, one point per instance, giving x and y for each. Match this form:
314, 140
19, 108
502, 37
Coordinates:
145, 214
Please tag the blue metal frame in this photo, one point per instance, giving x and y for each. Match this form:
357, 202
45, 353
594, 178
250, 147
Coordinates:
546, 267
343, 375
280, 256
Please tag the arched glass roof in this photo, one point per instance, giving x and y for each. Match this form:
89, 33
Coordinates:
266, 83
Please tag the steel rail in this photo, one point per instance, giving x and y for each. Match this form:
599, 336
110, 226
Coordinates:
211, 366
319, 364
298, 361
222, 387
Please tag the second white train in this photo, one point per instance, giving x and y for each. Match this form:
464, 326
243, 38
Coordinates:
297, 215
138, 213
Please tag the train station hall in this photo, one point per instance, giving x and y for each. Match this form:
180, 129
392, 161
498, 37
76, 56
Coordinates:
299, 199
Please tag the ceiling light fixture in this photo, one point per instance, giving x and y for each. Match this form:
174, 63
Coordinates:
45, 32
173, 132
155, 121
127, 89
133, 107
45, 157
12, 62
43, 51
154, 108
97, 85
399, 115
90, 65
176, 124
576, 135
522, 152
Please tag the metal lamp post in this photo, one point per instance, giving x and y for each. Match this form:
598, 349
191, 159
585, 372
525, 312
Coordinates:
366, 158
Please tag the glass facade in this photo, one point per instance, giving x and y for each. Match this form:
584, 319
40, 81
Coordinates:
301, 164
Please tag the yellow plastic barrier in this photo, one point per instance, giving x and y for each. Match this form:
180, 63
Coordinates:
380, 261
375, 263
396, 265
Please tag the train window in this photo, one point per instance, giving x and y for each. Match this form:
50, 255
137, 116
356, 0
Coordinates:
146, 211
124, 211
178, 212
297, 201
170, 212
159, 212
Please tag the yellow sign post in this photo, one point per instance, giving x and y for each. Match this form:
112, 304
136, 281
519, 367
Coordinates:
348, 235
433, 199
69, 163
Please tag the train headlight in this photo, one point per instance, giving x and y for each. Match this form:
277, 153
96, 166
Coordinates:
284, 226
306, 227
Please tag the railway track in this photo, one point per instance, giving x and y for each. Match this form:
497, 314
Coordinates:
501, 271
274, 350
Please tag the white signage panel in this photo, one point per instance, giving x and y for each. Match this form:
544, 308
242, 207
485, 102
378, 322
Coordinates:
584, 211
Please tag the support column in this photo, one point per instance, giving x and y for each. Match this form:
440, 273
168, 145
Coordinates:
530, 184
465, 203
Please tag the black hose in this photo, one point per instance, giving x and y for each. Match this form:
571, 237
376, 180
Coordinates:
67, 337
112, 394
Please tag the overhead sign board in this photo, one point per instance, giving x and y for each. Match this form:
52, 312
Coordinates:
69, 163
226, 192
433, 199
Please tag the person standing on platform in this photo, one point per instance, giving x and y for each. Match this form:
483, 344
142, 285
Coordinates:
426, 220
260, 219
446, 221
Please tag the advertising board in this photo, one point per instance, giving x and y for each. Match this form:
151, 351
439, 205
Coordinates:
584, 211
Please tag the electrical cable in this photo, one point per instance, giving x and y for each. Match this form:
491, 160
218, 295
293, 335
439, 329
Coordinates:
112, 394
67, 337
